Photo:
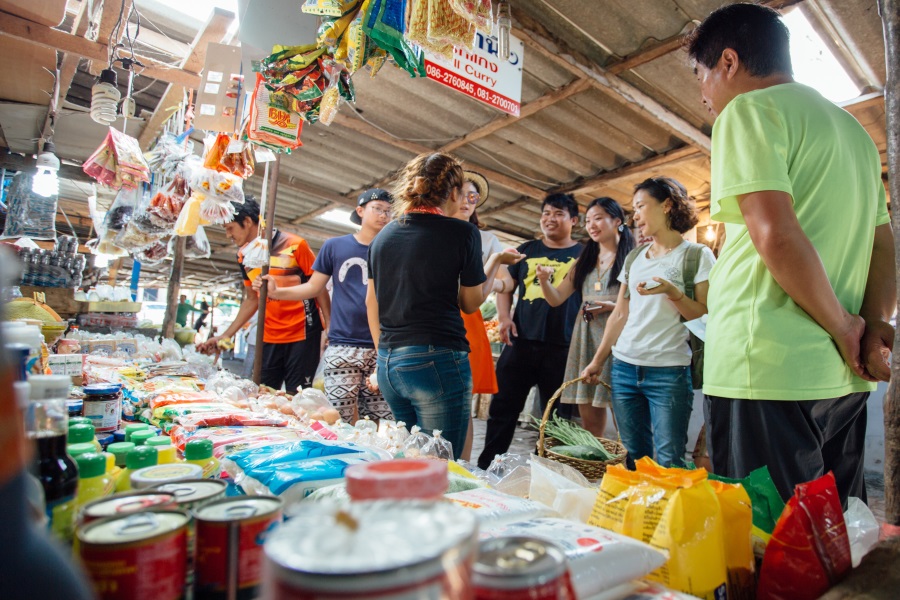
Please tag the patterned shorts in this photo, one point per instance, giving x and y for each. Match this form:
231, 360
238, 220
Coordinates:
346, 370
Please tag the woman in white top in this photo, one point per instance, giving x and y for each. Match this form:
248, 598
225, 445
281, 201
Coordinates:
652, 392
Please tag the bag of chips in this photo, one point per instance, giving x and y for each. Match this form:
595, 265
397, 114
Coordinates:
271, 119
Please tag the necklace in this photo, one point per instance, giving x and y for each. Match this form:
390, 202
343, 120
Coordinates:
655, 253
430, 210
598, 285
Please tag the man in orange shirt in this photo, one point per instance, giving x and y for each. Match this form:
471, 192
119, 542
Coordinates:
292, 330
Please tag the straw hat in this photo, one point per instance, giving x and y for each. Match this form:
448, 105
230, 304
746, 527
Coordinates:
480, 183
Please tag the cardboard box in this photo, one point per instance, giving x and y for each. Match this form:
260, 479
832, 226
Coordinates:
58, 363
128, 346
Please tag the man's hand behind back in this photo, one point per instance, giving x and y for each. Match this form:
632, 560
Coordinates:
875, 349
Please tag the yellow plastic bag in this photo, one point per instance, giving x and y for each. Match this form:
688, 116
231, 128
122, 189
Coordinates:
674, 510
738, 514
189, 217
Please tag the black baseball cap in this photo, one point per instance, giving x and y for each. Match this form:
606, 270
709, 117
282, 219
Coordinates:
368, 196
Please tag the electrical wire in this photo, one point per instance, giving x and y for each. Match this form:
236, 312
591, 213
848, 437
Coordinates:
397, 137
509, 168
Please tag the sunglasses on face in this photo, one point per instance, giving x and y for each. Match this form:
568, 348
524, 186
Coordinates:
473, 197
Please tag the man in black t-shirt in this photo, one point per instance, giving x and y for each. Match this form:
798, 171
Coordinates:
537, 337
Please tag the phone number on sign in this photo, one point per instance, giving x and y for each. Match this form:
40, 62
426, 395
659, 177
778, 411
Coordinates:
450, 79
495, 100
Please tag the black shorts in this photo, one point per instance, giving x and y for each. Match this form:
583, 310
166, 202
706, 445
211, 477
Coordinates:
292, 364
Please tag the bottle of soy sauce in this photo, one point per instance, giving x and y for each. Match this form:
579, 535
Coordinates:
46, 422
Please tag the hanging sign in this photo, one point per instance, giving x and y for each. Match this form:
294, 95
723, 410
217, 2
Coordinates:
479, 73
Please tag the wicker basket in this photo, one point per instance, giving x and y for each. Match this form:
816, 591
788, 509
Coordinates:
591, 469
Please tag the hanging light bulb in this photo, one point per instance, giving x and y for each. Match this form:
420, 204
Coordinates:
504, 24
46, 181
105, 98
710, 233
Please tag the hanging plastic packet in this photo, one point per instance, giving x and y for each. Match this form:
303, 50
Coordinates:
475, 11
189, 217
328, 8
809, 551
152, 255
216, 211
415, 444
271, 120
386, 25
331, 98
196, 245
256, 254
28, 214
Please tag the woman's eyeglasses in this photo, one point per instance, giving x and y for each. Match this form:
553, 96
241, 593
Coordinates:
473, 197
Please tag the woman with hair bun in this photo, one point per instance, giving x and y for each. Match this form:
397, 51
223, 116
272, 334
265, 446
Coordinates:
665, 283
424, 268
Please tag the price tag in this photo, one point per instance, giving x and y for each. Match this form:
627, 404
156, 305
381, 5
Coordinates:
235, 147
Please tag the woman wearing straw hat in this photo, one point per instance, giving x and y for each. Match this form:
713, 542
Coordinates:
484, 380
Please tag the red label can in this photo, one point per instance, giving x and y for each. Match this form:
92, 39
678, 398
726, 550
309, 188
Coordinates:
230, 537
521, 568
140, 556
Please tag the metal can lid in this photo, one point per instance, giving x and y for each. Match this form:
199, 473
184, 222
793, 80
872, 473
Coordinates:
239, 508
134, 527
152, 476
128, 502
193, 490
102, 389
505, 561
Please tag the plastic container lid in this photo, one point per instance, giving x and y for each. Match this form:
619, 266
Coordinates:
132, 427
143, 456
76, 450
158, 474
22, 333
102, 389
159, 440
402, 479
79, 421
80, 433
50, 387
91, 464
141, 436
120, 450
198, 450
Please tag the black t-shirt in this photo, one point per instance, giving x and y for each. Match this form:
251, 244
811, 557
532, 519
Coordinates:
536, 320
418, 264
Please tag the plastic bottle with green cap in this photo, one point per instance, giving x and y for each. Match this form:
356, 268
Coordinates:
93, 482
132, 427
120, 450
140, 457
79, 421
76, 450
164, 449
140, 437
82, 433
200, 452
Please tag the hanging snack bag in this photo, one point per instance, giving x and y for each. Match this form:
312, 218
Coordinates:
674, 510
328, 8
809, 551
271, 120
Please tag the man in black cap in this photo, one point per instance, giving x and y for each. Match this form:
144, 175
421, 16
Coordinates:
350, 357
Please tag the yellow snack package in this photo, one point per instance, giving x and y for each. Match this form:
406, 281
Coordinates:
674, 510
738, 514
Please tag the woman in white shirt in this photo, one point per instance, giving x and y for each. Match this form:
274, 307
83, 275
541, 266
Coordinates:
652, 392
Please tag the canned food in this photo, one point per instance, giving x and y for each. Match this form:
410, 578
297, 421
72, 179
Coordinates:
152, 476
402, 550
521, 568
126, 503
191, 494
229, 536
137, 557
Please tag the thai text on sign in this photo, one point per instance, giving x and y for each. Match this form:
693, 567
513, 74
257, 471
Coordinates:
480, 74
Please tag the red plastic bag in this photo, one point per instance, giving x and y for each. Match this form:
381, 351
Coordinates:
809, 551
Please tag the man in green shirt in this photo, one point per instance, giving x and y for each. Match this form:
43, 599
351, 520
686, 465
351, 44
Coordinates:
183, 309
801, 296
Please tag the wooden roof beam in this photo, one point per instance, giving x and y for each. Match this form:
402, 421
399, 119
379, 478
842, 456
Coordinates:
214, 31
495, 177
55, 39
671, 44
538, 38
317, 213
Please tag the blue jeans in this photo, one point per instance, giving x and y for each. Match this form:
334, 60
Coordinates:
428, 386
652, 406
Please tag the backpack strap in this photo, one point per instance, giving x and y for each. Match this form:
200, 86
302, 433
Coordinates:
626, 267
690, 267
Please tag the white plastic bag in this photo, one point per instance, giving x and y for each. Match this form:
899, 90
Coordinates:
563, 488
862, 529
495, 509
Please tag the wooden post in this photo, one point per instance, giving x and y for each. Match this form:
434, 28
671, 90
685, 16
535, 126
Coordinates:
168, 329
890, 14
263, 292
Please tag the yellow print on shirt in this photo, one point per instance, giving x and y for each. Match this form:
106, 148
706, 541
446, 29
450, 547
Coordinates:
533, 286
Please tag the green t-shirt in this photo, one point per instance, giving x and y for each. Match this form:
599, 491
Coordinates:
182, 312
760, 345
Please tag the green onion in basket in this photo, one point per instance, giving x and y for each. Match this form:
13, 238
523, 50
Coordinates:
570, 434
